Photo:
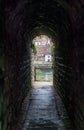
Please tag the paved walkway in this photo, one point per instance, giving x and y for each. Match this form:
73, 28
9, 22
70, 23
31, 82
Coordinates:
42, 113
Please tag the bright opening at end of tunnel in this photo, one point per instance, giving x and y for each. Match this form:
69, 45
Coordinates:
42, 58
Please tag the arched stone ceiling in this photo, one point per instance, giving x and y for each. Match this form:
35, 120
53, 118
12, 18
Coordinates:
29, 16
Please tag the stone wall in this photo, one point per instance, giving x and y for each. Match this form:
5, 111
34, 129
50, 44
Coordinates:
18, 65
19, 81
64, 22
69, 67
63, 71
78, 64
3, 112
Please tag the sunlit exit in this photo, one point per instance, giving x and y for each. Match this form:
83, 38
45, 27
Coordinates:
42, 51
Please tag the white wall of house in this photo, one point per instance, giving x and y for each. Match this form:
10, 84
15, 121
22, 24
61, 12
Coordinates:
37, 43
48, 58
40, 43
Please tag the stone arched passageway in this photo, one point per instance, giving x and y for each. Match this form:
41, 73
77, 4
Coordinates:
61, 20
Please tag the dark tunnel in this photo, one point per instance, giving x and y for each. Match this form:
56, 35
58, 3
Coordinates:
63, 21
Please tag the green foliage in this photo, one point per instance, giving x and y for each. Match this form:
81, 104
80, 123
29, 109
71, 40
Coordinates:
34, 48
38, 72
52, 49
43, 36
40, 75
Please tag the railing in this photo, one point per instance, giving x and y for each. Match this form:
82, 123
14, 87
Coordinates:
43, 63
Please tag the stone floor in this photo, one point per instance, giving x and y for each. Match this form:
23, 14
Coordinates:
44, 111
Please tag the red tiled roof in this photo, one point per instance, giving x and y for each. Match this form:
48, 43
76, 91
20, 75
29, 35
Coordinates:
42, 50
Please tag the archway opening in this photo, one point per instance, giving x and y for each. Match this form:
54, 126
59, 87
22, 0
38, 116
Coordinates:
42, 58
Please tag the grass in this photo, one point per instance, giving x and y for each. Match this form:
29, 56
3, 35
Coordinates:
40, 77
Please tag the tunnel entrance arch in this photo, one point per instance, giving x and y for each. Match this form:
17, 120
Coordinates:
22, 66
65, 18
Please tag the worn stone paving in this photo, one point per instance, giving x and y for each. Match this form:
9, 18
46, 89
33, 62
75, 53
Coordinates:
42, 113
